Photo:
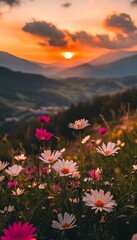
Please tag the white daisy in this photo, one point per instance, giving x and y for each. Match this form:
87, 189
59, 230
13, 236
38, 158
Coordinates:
99, 201
79, 124
18, 192
50, 157
3, 165
20, 157
65, 222
108, 149
14, 170
65, 168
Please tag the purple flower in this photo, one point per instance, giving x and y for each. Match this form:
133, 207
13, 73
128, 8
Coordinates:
44, 119
42, 134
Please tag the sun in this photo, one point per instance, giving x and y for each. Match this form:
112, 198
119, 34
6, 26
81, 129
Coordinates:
68, 55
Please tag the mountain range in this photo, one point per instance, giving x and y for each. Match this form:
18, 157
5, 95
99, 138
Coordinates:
111, 65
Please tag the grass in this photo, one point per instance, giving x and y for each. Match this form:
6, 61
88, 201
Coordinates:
46, 193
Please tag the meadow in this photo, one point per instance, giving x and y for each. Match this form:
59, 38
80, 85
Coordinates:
80, 189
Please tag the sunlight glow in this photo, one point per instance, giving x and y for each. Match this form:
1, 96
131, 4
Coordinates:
68, 55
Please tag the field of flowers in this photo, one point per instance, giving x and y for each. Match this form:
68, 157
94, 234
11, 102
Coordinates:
83, 189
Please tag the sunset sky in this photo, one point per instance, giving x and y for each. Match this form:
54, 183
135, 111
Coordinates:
41, 30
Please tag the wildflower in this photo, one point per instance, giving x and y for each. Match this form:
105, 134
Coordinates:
98, 141
95, 174
102, 130
108, 149
134, 237
62, 150
11, 184
18, 192
134, 167
99, 201
2, 178
42, 134
79, 124
20, 157
76, 174
44, 119
20, 231
65, 222
85, 139
65, 168
8, 209
14, 170
42, 186
3, 165
49, 157
90, 145
119, 143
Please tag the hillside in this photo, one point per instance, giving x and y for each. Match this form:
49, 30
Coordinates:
120, 68
23, 94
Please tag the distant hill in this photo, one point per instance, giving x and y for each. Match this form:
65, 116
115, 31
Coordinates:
18, 64
120, 68
111, 57
22, 94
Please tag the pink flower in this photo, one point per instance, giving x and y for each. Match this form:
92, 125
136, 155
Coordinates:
90, 145
42, 134
95, 174
12, 184
102, 130
44, 119
44, 170
19, 231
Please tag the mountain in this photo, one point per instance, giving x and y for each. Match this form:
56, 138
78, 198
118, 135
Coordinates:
18, 64
120, 68
111, 57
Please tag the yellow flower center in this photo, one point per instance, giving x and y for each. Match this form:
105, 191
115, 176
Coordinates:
50, 159
107, 153
65, 225
42, 138
65, 170
99, 203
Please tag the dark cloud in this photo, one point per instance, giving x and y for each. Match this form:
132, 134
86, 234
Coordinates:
66, 4
134, 2
121, 22
49, 32
10, 2
52, 36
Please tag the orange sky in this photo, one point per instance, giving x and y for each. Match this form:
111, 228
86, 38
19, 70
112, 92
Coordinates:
40, 30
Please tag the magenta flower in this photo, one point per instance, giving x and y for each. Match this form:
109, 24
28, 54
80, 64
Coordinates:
42, 134
11, 184
102, 130
19, 231
95, 174
44, 119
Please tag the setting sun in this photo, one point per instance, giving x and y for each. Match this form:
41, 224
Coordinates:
68, 55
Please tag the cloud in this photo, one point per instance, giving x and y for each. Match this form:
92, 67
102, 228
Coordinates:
125, 34
66, 4
10, 2
103, 40
47, 31
120, 23
134, 2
